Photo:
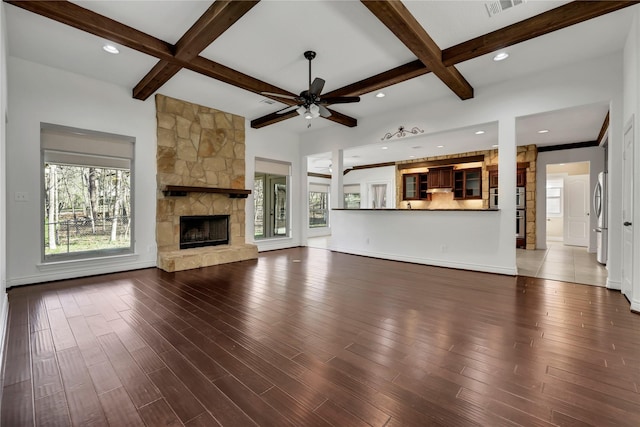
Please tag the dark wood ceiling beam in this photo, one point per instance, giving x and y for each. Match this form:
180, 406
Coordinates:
86, 20
272, 118
235, 78
603, 129
101, 26
215, 21
547, 22
380, 81
342, 119
83, 19
397, 18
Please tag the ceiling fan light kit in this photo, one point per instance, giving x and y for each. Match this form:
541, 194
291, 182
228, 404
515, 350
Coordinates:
310, 104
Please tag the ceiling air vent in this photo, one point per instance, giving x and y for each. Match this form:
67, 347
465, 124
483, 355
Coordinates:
495, 7
267, 101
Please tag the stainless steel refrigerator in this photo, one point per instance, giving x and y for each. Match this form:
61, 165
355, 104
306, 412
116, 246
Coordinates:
600, 208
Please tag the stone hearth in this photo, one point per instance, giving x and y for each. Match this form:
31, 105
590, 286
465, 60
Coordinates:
199, 147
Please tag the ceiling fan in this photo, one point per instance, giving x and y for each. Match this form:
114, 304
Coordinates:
310, 104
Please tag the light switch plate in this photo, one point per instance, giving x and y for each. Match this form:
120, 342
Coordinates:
21, 196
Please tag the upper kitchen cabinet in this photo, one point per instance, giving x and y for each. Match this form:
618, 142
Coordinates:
521, 176
414, 186
441, 177
467, 184
493, 178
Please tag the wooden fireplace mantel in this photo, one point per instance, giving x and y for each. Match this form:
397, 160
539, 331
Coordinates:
182, 191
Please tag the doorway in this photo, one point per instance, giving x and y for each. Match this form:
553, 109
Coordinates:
271, 206
568, 203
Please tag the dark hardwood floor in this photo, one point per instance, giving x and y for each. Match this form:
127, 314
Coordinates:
307, 337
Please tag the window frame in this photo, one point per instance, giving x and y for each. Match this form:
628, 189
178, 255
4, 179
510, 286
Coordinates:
315, 188
57, 148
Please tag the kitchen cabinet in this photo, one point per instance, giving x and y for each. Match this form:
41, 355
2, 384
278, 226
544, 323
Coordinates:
521, 178
440, 177
493, 179
467, 184
415, 186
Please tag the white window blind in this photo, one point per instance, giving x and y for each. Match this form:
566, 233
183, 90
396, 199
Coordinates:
318, 188
69, 146
273, 167
352, 188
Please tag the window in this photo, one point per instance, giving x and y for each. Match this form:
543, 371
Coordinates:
86, 193
352, 196
318, 205
554, 201
271, 199
379, 196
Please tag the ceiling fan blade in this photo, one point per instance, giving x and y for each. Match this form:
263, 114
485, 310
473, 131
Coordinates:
279, 95
340, 100
316, 86
324, 112
287, 109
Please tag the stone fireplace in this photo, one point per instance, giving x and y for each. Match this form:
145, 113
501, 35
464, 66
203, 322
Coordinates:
200, 173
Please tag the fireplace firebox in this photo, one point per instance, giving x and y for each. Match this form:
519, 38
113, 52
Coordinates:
204, 230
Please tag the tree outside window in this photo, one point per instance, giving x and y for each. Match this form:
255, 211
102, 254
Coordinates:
319, 208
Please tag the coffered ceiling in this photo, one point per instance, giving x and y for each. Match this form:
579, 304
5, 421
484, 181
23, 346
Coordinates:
224, 54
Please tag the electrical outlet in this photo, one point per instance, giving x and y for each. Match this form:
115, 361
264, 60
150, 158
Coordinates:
21, 196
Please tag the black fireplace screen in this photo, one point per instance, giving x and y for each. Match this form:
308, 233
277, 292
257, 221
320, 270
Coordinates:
207, 230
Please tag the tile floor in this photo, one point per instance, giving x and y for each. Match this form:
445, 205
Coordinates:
560, 262
557, 262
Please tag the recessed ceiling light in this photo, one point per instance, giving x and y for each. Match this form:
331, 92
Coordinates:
440, 146
480, 132
495, 146
543, 131
380, 95
385, 148
412, 157
501, 56
110, 49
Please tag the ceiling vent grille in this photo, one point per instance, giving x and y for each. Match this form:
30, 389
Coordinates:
495, 7
267, 101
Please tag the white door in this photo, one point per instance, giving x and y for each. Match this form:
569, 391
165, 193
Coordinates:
576, 210
627, 212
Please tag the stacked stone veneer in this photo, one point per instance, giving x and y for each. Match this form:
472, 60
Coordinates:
525, 154
202, 147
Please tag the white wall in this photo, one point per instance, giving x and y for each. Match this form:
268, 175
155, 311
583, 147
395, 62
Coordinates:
595, 157
367, 177
424, 237
631, 106
270, 143
593, 81
4, 305
43, 94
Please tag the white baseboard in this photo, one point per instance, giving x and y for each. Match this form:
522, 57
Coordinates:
4, 318
53, 273
614, 285
434, 262
635, 306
